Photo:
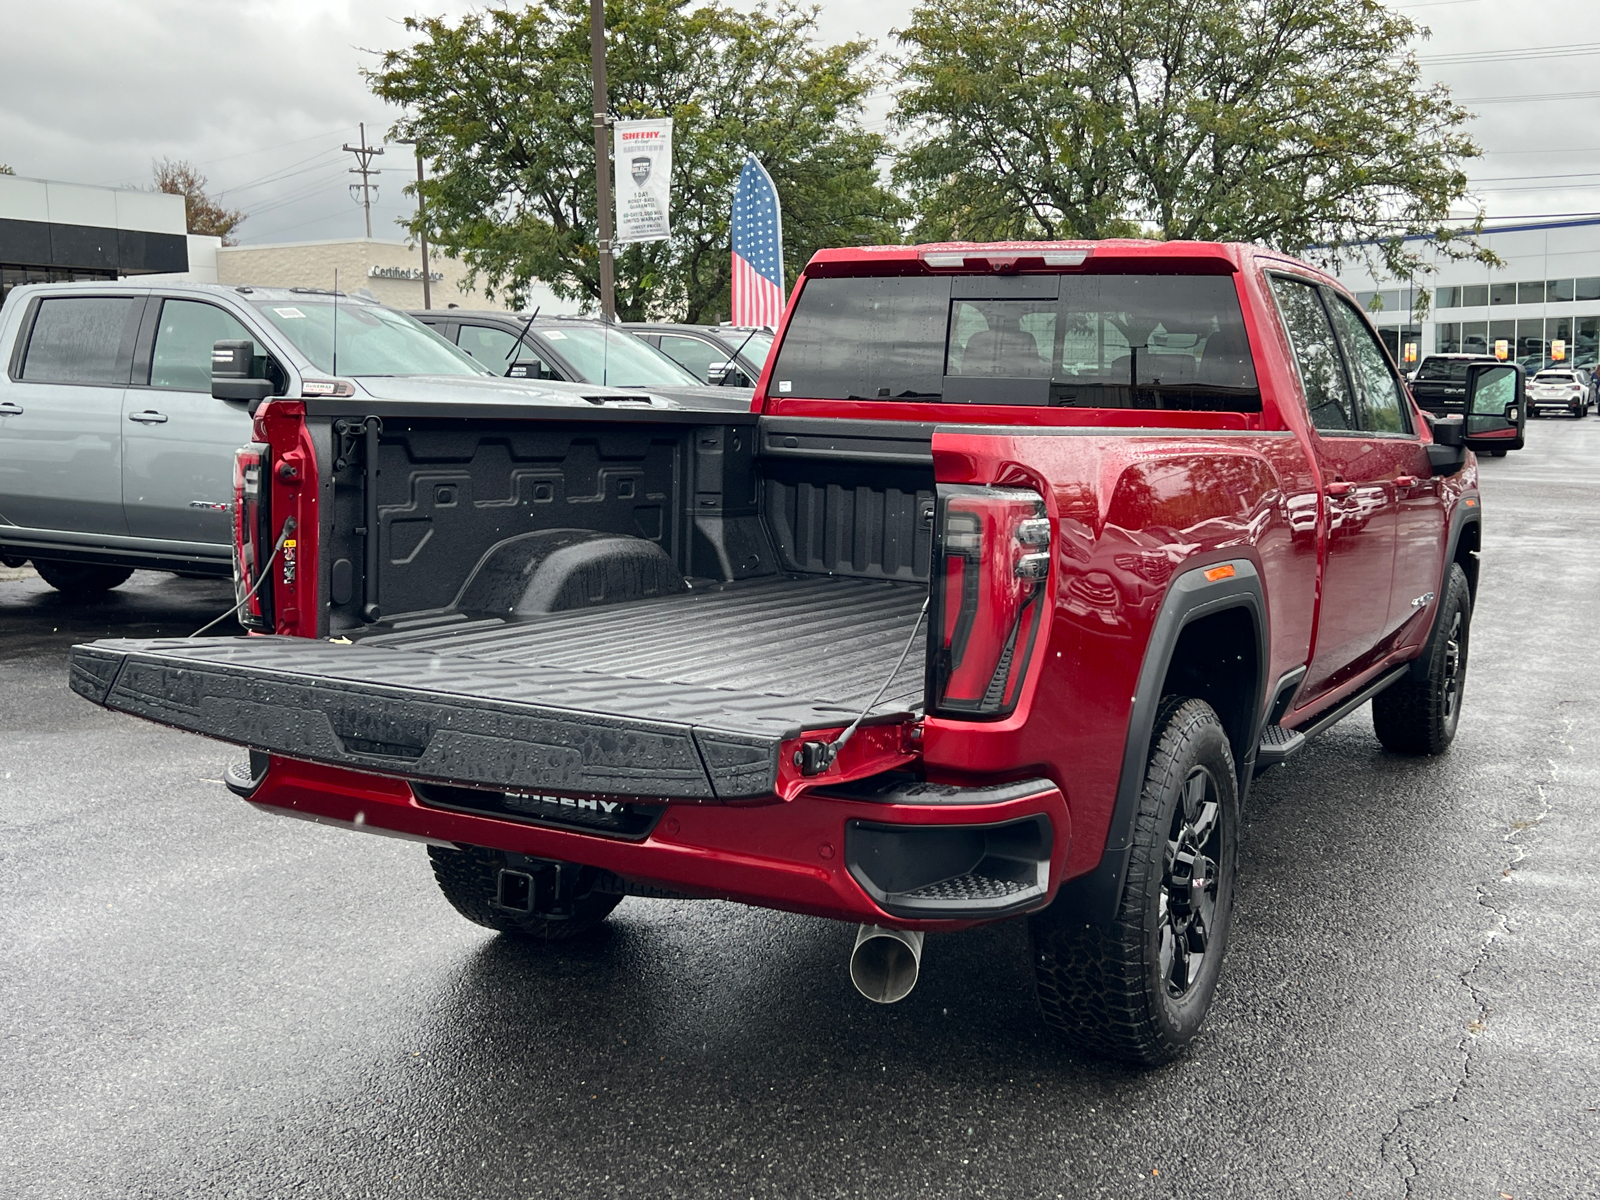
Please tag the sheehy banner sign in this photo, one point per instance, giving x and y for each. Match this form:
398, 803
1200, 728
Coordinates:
643, 154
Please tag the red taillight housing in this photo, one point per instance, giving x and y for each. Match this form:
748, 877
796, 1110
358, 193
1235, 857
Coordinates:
991, 566
252, 534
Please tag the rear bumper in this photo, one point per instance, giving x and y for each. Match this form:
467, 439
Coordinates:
844, 854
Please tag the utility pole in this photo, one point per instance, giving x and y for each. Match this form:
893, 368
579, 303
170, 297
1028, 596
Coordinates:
364, 168
602, 156
422, 223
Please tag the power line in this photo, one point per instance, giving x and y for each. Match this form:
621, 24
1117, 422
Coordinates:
286, 172
277, 146
1530, 96
1525, 54
1522, 178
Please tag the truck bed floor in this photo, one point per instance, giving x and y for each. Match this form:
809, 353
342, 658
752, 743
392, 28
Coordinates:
688, 696
823, 638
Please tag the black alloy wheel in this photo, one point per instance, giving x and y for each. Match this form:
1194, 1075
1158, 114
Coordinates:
1138, 987
1188, 899
1420, 713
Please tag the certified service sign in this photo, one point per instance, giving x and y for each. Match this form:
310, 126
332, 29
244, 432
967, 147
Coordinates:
643, 154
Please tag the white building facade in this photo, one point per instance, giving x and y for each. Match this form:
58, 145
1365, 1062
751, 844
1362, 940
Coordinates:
1543, 301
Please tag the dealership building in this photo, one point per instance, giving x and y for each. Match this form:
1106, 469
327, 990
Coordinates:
1543, 300
53, 232
56, 232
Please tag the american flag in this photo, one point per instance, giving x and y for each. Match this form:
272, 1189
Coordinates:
757, 248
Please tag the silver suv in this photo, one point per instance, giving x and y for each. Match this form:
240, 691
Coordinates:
114, 453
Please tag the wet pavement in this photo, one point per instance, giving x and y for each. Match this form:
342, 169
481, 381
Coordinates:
197, 999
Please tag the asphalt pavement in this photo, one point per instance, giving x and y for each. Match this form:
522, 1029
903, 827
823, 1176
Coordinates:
200, 1000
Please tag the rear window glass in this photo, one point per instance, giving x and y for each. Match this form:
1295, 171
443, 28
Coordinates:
1556, 377
78, 339
1088, 341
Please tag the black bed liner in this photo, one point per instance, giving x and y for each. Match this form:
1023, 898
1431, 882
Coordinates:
685, 696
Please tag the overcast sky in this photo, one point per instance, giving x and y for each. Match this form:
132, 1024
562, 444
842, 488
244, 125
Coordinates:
260, 95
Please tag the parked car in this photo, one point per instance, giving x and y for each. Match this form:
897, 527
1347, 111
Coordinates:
1440, 388
578, 349
1031, 559
116, 453
1569, 390
719, 355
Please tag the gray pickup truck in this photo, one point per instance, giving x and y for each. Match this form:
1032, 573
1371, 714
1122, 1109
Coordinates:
115, 454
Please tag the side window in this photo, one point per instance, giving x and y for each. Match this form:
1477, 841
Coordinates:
79, 339
181, 360
695, 355
1383, 403
1321, 372
491, 346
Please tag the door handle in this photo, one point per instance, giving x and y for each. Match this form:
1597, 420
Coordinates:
148, 417
8, 409
1340, 488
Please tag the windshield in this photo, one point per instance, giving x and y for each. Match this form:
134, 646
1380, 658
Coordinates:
372, 340
611, 358
755, 350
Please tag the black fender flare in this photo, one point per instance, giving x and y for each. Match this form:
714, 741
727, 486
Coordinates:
1093, 898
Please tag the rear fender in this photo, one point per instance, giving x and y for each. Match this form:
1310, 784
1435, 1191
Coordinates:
1191, 597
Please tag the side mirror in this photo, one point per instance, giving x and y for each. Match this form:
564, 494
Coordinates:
1496, 406
529, 369
230, 373
725, 374
1448, 453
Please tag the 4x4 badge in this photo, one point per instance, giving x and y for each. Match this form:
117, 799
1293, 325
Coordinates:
1422, 599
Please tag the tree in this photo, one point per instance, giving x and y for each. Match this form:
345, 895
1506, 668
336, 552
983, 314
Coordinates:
1301, 124
203, 214
501, 103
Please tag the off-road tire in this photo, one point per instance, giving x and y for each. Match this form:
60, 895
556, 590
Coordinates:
1107, 989
1419, 714
469, 878
80, 579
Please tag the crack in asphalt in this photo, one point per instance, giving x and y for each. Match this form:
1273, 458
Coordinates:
1500, 926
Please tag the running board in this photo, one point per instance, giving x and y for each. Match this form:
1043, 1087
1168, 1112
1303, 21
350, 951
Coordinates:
1279, 744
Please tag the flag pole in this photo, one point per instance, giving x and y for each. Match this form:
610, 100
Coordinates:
602, 165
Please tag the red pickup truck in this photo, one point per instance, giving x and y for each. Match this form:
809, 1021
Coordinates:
1029, 557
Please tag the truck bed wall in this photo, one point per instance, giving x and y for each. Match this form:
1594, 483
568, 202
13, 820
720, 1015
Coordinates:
449, 494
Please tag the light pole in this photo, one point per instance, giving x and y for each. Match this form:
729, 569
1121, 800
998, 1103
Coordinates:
602, 168
422, 222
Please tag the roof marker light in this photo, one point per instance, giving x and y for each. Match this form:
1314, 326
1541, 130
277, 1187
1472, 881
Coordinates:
1065, 258
944, 259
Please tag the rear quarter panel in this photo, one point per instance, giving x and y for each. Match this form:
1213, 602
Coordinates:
1131, 509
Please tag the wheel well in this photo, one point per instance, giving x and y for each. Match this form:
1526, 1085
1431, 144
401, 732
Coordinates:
1467, 545
1217, 660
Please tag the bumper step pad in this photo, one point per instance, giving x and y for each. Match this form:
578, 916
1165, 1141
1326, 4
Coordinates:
421, 715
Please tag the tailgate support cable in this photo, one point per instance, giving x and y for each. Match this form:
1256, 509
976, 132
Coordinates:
266, 569
815, 761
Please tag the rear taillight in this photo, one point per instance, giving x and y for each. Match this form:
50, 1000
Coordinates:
252, 535
990, 569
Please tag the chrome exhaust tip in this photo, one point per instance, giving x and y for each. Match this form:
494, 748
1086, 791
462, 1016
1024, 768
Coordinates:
885, 963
